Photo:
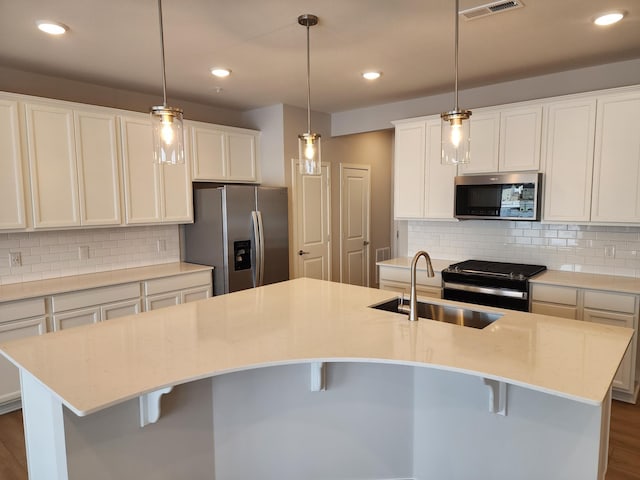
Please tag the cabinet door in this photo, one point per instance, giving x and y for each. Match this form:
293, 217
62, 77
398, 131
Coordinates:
563, 311
162, 300
520, 138
616, 173
439, 178
568, 164
9, 377
141, 174
242, 158
195, 294
624, 379
75, 318
52, 164
119, 309
409, 170
485, 143
176, 194
98, 178
208, 153
12, 211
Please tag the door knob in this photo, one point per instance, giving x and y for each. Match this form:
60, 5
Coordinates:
365, 243
302, 252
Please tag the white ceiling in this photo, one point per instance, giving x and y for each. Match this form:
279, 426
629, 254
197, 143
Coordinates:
117, 43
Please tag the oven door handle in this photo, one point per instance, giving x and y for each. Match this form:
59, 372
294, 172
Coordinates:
501, 292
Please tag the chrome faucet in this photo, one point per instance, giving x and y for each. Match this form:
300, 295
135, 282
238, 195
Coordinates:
413, 302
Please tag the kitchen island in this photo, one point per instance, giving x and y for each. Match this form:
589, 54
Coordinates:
302, 379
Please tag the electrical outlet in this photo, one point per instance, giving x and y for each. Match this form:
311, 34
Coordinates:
162, 245
83, 253
15, 259
610, 251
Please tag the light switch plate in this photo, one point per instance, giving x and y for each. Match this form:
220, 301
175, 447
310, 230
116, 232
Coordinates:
83, 253
610, 251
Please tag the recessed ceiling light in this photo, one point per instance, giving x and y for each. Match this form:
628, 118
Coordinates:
220, 72
52, 28
371, 75
608, 18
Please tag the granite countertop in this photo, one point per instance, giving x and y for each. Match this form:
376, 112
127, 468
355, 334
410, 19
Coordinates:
40, 288
304, 320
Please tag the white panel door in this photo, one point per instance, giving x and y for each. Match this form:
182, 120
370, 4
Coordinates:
520, 138
312, 237
616, 172
355, 202
439, 179
485, 143
98, 177
12, 210
568, 163
141, 182
408, 179
52, 162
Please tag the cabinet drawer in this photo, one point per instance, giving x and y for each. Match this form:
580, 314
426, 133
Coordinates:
177, 282
617, 302
554, 310
553, 294
21, 309
94, 296
404, 275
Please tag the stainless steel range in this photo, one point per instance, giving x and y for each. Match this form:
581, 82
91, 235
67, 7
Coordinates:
496, 284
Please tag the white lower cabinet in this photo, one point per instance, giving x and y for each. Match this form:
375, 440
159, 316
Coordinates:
398, 280
178, 289
597, 306
19, 319
95, 305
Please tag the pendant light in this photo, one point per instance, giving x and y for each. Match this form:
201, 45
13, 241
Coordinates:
309, 142
166, 122
455, 137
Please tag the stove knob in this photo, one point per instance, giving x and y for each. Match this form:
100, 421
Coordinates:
521, 277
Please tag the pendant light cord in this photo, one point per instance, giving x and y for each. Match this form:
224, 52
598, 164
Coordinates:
308, 84
164, 79
456, 55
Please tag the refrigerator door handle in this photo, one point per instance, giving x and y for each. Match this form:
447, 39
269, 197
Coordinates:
258, 235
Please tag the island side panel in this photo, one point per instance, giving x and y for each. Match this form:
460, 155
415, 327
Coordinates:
110, 444
44, 431
542, 435
269, 425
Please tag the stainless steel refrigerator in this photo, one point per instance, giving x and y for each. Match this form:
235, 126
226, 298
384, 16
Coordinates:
242, 231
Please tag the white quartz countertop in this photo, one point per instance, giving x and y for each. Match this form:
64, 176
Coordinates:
589, 280
39, 288
95, 366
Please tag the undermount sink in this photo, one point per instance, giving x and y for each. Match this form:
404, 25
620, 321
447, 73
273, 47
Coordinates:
441, 313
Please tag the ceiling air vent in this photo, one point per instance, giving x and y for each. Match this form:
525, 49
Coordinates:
490, 9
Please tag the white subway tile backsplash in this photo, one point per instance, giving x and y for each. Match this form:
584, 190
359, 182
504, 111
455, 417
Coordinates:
55, 254
578, 248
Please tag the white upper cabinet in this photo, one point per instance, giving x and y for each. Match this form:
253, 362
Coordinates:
505, 140
52, 165
97, 160
409, 163
12, 210
616, 175
568, 160
152, 193
423, 187
224, 154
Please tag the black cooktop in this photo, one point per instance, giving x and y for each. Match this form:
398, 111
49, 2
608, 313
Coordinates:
517, 270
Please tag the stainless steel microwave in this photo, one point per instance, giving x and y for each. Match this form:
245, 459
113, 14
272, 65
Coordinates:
505, 196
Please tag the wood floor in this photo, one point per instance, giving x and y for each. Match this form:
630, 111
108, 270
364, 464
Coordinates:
624, 444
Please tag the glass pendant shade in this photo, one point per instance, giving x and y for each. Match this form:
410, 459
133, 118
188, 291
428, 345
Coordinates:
455, 139
168, 138
309, 153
